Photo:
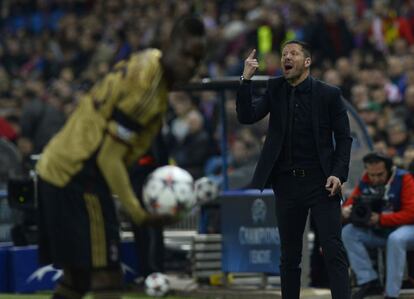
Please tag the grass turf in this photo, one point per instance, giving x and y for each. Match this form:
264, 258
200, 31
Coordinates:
47, 296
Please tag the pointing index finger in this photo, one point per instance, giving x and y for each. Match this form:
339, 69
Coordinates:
252, 53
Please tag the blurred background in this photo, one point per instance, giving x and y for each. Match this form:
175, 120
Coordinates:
51, 51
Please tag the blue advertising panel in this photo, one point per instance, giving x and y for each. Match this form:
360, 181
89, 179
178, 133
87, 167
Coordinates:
250, 237
4, 267
129, 260
26, 275
23, 274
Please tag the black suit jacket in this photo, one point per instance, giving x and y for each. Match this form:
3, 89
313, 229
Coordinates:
330, 126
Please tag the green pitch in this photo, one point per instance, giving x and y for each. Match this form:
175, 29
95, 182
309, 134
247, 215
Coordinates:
47, 296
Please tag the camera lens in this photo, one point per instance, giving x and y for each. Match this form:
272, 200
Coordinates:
360, 211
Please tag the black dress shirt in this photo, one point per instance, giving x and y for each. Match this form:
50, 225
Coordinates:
299, 149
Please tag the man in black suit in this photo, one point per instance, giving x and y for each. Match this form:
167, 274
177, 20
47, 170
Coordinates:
305, 158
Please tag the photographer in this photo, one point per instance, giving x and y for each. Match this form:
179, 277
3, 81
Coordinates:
381, 215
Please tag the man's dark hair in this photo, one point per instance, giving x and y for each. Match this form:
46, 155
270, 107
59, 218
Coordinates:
375, 157
188, 25
305, 46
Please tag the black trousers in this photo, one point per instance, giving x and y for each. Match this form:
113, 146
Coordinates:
149, 243
295, 196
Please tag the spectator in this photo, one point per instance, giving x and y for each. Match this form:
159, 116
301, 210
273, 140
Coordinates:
345, 70
369, 112
6, 130
242, 159
397, 137
41, 119
192, 150
391, 227
409, 107
332, 36
359, 94
408, 157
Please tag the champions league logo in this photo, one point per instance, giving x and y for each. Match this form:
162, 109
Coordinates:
259, 211
41, 272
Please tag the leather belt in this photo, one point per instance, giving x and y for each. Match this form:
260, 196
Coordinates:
299, 172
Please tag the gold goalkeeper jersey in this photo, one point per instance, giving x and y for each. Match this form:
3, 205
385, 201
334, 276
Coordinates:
128, 103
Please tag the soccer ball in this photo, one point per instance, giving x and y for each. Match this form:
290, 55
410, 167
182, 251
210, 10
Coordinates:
206, 190
169, 190
157, 285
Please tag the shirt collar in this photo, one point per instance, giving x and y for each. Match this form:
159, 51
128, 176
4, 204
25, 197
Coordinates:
304, 86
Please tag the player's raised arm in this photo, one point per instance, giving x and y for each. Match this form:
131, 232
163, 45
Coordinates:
111, 161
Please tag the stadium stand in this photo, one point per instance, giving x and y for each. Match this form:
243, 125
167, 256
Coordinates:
51, 51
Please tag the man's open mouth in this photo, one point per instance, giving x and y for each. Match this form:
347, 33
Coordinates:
288, 67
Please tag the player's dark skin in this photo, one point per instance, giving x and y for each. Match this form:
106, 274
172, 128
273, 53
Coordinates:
181, 59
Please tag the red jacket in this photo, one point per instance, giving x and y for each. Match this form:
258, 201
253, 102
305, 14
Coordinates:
405, 215
6, 130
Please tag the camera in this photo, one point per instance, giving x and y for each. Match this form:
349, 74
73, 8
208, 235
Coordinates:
22, 193
365, 204
22, 198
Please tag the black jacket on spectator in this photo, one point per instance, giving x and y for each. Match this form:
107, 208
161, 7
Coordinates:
40, 121
192, 153
330, 126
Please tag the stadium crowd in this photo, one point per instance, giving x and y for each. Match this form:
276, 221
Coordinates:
51, 51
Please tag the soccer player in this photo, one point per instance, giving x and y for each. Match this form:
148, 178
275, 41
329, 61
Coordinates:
85, 164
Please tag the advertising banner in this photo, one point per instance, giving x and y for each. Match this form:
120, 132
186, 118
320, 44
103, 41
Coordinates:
250, 237
20, 271
4, 267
